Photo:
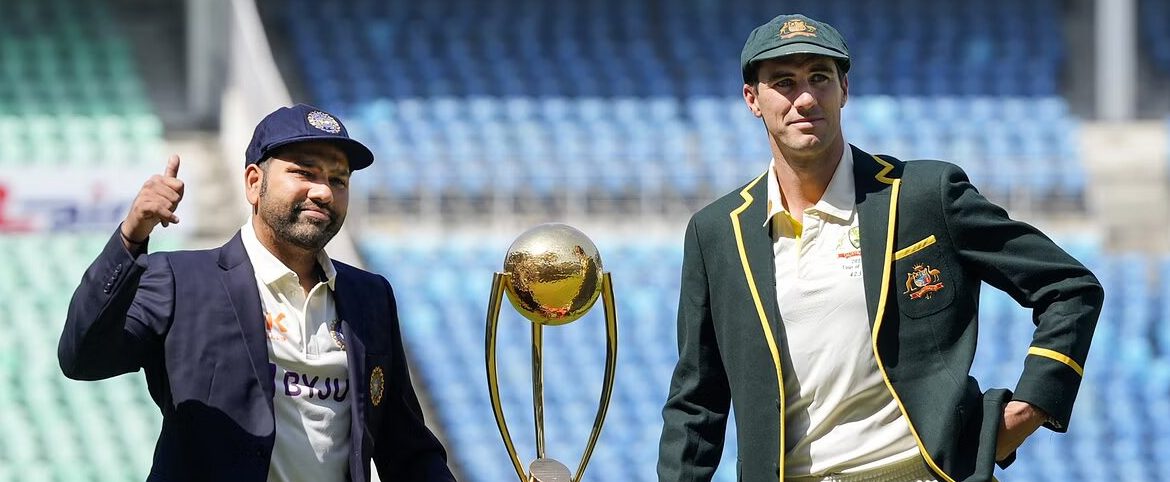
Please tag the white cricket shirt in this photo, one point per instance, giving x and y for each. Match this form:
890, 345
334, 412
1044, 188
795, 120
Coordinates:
310, 370
840, 417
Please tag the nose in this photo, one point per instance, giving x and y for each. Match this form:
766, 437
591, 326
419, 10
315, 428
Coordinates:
805, 101
321, 193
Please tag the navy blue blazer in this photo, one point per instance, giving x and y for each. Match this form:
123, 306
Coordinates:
193, 322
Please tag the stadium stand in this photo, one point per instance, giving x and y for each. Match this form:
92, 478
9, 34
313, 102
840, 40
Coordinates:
70, 97
531, 98
443, 291
1153, 16
59, 429
69, 91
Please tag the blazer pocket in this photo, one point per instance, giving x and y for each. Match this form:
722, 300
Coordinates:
922, 279
914, 248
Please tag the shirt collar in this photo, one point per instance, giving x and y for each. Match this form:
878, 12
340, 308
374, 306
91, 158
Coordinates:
838, 200
269, 269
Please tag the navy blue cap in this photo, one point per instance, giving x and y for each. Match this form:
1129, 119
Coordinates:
304, 123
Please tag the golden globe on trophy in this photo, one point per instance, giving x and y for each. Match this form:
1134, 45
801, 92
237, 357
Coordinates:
552, 275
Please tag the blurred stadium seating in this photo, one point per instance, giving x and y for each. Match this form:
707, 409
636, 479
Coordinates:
58, 429
69, 91
443, 291
70, 97
531, 97
1153, 16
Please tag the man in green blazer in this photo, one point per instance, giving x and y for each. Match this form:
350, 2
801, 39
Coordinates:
833, 300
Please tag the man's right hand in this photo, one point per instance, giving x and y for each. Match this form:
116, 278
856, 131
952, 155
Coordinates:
155, 203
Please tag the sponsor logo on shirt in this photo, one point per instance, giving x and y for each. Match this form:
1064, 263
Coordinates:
304, 385
275, 321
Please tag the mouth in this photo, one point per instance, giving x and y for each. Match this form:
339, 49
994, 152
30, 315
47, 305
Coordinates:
317, 214
806, 121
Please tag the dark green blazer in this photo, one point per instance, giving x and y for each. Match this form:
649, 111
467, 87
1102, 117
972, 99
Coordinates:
912, 216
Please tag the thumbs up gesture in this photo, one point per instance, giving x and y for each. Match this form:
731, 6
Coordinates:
156, 203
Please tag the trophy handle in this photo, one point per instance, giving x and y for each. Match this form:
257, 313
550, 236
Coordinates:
610, 366
493, 321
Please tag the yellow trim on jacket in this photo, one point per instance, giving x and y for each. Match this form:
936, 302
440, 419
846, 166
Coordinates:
1058, 356
751, 281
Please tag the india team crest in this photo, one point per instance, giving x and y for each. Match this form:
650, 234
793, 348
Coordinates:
324, 122
377, 385
924, 281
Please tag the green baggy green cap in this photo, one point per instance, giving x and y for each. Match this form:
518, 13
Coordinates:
792, 34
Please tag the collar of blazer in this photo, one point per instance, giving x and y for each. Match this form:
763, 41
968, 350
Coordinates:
877, 181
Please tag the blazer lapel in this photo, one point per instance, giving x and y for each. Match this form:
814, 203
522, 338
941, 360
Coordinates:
239, 280
754, 239
350, 314
876, 182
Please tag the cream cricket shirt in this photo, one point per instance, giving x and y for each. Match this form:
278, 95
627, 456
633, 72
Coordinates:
309, 369
840, 416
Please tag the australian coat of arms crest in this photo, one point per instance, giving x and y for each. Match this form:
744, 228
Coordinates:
923, 282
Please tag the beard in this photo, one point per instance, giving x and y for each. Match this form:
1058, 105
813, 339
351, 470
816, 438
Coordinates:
288, 225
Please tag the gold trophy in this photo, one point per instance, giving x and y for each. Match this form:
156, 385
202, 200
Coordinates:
553, 275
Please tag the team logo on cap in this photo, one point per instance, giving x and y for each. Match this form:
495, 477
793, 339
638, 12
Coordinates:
377, 385
324, 122
923, 282
797, 28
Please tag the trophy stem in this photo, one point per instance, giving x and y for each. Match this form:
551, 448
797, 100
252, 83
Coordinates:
538, 386
607, 383
493, 321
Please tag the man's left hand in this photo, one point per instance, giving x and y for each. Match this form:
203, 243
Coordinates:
1020, 419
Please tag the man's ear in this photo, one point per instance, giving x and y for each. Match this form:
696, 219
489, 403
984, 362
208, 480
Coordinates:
750, 98
253, 179
844, 89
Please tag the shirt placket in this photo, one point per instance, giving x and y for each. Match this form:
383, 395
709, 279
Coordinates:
806, 244
296, 302
315, 314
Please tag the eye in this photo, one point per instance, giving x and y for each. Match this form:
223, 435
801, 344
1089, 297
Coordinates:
818, 78
784, 83
339, 182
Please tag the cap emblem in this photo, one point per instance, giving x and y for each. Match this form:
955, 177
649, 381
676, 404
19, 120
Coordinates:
324, 122
797, 28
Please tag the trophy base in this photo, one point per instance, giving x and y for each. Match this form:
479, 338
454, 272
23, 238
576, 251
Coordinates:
548, 470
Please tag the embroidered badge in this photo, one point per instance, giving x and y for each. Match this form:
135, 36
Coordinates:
377, 384
849, 252
924, 281
335, 332
324, 122
797, 27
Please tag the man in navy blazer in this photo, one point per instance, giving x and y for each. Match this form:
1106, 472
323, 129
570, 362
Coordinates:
268, 360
